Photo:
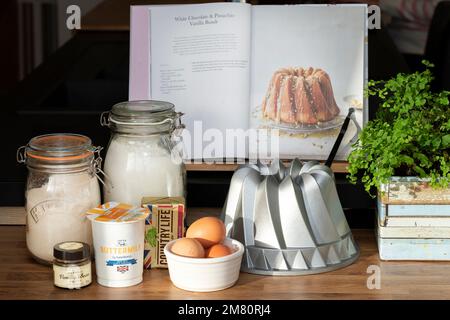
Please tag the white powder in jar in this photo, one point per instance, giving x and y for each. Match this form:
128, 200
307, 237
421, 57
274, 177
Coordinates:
56, 212
139, 166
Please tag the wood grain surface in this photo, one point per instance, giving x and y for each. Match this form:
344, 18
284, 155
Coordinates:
10, 216
22, 278
337, 166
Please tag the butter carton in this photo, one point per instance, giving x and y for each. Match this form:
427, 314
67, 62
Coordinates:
164, 224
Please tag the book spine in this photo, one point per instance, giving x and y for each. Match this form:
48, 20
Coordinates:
417, 222
429, 210
414, 249
414, 232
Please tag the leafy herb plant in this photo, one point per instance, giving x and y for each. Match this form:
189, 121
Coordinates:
410, 135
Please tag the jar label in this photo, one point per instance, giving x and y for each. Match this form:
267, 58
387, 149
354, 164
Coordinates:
73, 277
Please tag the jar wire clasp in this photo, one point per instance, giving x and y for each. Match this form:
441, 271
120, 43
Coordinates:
178, 126
21, 155
104, 119
97, 164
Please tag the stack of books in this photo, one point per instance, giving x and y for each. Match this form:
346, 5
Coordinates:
413, 221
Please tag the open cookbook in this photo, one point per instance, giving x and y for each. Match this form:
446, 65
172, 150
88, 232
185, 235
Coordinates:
294, 70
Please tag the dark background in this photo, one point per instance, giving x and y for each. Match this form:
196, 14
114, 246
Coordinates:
66, 86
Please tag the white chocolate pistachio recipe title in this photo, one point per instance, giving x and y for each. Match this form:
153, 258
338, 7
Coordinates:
201, 20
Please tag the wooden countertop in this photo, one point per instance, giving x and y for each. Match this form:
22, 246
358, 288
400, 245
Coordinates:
336, 166
22, 278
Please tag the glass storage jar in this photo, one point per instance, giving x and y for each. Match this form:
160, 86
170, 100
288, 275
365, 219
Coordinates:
72, 265
143, 157
61, 186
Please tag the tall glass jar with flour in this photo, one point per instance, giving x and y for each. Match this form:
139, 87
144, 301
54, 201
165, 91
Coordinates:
61, 186
144, 157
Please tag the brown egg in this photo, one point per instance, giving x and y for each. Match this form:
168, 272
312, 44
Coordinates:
208, 230
188, 248
218, 250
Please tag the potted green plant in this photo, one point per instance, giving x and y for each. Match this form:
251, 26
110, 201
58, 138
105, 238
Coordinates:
404, 152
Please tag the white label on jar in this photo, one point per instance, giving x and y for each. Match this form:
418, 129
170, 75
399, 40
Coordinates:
73, 277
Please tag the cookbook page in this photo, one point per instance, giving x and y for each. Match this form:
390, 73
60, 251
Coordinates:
200, 62
307, 69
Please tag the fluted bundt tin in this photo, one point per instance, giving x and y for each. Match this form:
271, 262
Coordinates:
289, 219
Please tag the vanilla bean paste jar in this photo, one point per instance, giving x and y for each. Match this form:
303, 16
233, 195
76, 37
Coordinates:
72, 265
144, 155
61, 186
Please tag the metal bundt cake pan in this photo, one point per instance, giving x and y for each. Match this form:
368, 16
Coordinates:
289, 219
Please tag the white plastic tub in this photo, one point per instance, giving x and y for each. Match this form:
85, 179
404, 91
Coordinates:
205, 274
119, 252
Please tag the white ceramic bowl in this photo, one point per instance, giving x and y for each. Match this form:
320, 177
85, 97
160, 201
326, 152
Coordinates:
205, 274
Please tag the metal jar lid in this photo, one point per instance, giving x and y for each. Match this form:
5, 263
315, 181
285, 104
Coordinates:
142, 116
71, 251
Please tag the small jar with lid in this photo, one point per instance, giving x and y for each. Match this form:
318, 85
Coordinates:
61, 186
144, 155
72, 265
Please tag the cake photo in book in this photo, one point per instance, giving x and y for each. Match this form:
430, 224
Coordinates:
300, 97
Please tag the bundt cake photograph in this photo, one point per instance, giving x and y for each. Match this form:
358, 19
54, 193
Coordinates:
300, 96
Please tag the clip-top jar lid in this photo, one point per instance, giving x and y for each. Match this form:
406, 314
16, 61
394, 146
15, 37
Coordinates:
59, 147
142, 117
145, 112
